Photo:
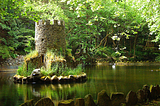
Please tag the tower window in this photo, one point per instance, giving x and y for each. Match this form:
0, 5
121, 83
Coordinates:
42, 58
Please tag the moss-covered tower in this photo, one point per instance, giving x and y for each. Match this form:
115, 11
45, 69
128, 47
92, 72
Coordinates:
49, 36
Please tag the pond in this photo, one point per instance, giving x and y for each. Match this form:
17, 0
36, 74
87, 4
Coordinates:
107, 77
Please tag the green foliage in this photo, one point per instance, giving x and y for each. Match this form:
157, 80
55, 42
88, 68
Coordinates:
22, 70
32, 54
41, 10
90, 25
4, 52
104, 51
73, 71
58, 70
51, 71
157, 58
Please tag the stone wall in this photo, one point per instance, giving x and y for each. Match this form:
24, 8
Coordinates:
143, 97
49, 36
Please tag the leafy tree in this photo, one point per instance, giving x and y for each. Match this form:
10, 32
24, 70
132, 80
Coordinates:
17, 31
93, 27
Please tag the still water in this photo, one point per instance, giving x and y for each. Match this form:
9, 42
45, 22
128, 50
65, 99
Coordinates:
111, 79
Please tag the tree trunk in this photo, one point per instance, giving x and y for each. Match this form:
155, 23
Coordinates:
134, 47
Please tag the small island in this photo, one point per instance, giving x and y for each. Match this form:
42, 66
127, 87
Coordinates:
46, 64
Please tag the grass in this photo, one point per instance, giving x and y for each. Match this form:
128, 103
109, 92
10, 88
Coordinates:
22, 70
32, 54
61, 70
73, 71
54, 65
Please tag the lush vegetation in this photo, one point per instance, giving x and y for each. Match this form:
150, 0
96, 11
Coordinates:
109, 30
62, 70
54, 65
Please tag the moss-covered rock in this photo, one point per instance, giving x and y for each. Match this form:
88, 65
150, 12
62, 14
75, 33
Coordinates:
80, 102
28, 103
48, 79
89, 100
117, 98
44, 102
103, 99
54, 79
153, 91
140, 96
66, 103
131, 98
147, 94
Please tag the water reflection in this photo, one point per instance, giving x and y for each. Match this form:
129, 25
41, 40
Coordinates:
117, 79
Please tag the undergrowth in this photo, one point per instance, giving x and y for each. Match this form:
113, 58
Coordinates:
55, 65
22, 70
32, 54
61, 70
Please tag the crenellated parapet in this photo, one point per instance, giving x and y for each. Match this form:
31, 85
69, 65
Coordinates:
48, 22
49, 35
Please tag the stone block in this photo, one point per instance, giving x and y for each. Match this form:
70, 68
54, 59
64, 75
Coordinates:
80, 102
147, 94
131, 98
44, 102
89, 100
28, 103
117, 98
66, 103
140, 96
153, 91
103, 99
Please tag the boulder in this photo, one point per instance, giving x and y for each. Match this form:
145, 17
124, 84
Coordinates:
66, 79
47, 79
15, 77
103, 99
153, 91
79, 102
147, 94
43, 78
158, 90
66, 103
77, 78
29, 79
36, 74
28, 103
61, 79
117, 98
24, 79
84, 76
140, 96
18, 78
54, 79
89, 100
131, 98
72, 78
44, 102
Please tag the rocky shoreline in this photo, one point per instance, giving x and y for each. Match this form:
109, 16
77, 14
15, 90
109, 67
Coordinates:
143, 97
13, 61
33, 78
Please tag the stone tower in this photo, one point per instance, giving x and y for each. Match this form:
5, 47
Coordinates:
49, 36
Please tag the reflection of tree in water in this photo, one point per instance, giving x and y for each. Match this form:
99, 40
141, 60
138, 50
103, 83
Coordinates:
6, 96
58, 91
54, 91
9, 95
